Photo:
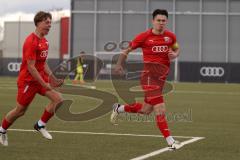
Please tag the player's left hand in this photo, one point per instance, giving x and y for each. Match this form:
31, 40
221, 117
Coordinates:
172, 55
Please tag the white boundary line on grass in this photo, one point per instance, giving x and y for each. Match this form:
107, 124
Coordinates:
206, 92
175, 91
14, 87
195, 92
99, 133
157, 152
142, 157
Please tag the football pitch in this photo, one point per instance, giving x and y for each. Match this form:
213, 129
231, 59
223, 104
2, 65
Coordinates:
204, 116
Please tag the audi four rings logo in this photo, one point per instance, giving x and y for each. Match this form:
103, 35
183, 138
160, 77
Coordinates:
13, 66
212, 71
44, 54
160, 49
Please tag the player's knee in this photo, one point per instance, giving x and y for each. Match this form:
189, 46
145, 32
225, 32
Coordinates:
147, 109
20, 112
159, 109
147, 112
58, 99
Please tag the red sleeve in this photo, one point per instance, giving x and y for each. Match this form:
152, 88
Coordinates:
137, 41
30, 50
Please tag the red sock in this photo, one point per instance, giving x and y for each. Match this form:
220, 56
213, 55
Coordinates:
6, 124
162, 125
46, 116
133, 108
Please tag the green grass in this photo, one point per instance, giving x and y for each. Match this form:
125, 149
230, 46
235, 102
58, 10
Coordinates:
215, 115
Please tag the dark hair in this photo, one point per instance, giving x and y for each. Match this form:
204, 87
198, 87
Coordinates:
160, 12
41, 16
82, 52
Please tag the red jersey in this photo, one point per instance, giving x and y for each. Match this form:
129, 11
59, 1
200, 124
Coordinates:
34, 48
155, 48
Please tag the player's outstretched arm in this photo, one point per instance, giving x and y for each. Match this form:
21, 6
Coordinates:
47, 69
34, 72
55, 82
49, 72
121, 59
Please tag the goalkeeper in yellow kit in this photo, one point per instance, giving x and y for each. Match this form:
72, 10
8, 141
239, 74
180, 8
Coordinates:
79, 70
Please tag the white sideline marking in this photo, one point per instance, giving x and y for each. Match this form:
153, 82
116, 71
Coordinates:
157, 152
99, 133
193, 92
82, 85
11, 87
207, 92
154, 153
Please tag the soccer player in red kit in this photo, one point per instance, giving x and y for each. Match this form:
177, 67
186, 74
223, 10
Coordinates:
34, 77
159, 47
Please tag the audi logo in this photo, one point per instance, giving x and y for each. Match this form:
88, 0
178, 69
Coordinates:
212, 71
44, 54
13, 66
160, 49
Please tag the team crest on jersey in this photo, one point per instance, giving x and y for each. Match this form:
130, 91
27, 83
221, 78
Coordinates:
166, 39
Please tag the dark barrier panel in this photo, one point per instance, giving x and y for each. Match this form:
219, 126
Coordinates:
1, 61
213, 72
187, 72
234, 76
171, 73
11, 66
209, 72
203, 72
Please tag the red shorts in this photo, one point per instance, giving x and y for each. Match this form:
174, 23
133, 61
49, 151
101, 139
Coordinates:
153, 90
27, 91
152, 81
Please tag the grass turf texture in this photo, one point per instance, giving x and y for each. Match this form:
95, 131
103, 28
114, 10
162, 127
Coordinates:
215, 115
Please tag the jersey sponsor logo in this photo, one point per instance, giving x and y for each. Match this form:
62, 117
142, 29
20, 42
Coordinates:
212, 71
13, 66
160, 49
44, 54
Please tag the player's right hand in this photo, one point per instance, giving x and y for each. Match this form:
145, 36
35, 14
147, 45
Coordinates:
119, 69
